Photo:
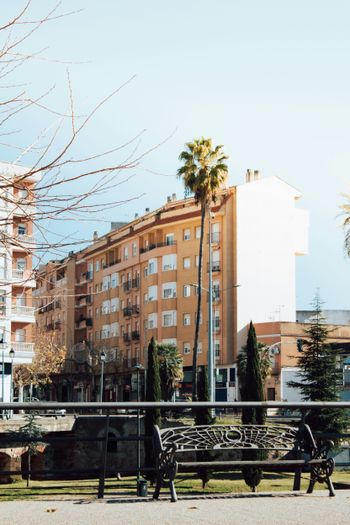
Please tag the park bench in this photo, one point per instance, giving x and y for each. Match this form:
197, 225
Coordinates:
295, 448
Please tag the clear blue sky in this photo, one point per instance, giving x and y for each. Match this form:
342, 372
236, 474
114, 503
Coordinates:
270, 80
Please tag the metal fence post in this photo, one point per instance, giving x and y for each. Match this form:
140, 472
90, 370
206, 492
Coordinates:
101, 485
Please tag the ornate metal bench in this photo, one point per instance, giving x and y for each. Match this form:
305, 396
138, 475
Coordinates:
298, 444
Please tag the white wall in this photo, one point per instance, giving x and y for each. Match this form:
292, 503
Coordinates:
288, 393
270, 232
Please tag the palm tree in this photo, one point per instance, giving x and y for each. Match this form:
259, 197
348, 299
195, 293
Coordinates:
346, 224
203, 172
170, 369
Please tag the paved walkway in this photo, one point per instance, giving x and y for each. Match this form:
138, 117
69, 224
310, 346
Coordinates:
262, 509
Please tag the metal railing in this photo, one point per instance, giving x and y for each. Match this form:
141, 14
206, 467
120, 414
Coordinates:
106, 438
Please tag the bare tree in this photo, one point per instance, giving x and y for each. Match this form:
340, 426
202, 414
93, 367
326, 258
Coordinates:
62, 184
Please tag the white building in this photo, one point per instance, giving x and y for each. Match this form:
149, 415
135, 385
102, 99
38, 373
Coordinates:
271, 232
16, 276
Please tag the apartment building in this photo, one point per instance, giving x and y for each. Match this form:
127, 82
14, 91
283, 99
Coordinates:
284, 340
16, 276
139, 281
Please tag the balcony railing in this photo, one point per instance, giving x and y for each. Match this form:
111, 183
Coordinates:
136, 283
127, 312
27, 311
135, 335
157, 245
215, 237
127, 286
23, 239
135, 309
215, 266
22, 347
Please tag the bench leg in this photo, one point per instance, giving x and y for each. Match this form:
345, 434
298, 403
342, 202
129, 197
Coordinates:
311, 485
158, 486
297, 480
172, 491
329, 484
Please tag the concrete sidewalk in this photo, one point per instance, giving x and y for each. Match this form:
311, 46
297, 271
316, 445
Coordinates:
262, 509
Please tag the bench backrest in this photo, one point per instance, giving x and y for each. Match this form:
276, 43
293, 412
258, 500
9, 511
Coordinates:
223, 437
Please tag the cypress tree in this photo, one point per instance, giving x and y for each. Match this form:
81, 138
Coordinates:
253, 390
153, 393
203, 417
320, 379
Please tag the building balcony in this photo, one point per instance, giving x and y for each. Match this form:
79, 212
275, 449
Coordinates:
215, 238
23, 314
23, 277
135, 309
84, 278
18, 347
81, 323
24, 242
23, 208
127, 286
127, 312
215, 266
136, 283
135, 335
60, 283
127, 338
153, 246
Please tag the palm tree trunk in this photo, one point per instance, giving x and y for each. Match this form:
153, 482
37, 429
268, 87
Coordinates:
198, 315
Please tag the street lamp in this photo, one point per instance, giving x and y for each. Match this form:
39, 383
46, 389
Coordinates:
211, 357
102, 359
140, 483
12, 355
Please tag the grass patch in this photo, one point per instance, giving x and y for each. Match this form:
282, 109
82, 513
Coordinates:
220, 483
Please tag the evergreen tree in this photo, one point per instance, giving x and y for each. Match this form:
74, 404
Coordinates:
153, 393
203, 417
320, 379
31, 433
253, 390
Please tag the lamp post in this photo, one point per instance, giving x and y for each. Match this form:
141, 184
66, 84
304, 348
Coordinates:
140, 483
102, 359
3, 380
12, 355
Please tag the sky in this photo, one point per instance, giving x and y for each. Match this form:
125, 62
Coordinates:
269, 80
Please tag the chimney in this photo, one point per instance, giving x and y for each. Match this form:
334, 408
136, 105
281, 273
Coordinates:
136, 215
147, 210
168, 199
252, 175
95, 237
173, 196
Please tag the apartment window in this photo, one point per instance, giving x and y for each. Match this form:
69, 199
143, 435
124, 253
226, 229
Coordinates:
171, 341
152, 266
21, 264
22, 229
106, 307
152, 321
97, 266
169, 262
106, 283
216, 290
134, 249
186, 263
217, 349
169, 239
215, 232
91, 268
2, 302
20, 335
3, 266
187, 290
187, 234
200, 348
114, 280
145, 271
145, 298
198, 232
125, 253
187, 348
216, 261
115, 304
216, 321
114, 329
197, 261
152, 293
169, 318
169, 290
187, 319
105, 331
23, 193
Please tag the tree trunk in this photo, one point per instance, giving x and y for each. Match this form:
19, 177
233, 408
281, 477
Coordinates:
28, 475
199, 300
